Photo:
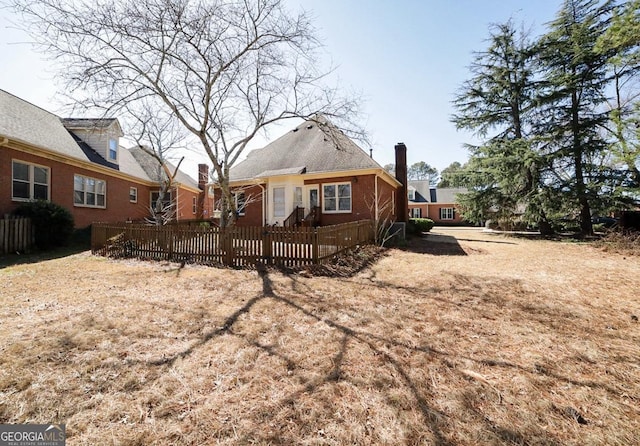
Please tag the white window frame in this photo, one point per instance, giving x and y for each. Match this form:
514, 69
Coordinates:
412, 194
109, 149
85, 182
446, 214
284, 201
152, 202
413, 213
133, 194
32, 183
236, 197
336, 197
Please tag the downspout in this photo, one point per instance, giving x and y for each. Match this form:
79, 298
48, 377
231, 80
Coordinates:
376, 198
264, 205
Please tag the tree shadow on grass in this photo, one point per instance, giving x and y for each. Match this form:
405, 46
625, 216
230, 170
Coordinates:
443, 245
79, 243
347, 336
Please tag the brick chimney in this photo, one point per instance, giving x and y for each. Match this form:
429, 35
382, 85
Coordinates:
402, 204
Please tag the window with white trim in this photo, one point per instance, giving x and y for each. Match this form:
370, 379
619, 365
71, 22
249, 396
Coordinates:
29, 181
416, 213
446, 213
336, 198
133, 194
278, 202
167, 199
241, 202
89, 192
113, 149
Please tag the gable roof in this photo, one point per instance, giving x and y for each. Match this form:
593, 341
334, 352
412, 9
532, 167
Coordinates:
91, 123
27, 123
311, 147
153, 170
421, 187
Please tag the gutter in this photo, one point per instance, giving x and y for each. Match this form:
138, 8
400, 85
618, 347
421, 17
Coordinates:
4, 141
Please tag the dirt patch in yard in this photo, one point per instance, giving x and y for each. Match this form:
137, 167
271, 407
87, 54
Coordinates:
513, 342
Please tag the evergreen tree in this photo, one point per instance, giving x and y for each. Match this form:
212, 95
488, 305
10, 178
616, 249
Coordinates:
503, 173
573, 103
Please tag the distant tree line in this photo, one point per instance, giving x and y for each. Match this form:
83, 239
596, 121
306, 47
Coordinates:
558, 117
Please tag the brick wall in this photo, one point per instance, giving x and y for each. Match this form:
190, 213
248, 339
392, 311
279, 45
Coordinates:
118, 206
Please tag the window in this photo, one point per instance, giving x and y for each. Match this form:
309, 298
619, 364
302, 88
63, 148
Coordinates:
416, 213
336, 197
412, 194
166, 201
113, 149
194, 205
297, 197
29, 182
278, 202
133, 194
446, 213
241, 202
89, 192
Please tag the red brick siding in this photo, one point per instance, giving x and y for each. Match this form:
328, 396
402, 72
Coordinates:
61, 190
184, 205
253, 210
362, 198
434, 213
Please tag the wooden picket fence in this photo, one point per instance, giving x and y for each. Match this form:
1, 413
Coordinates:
236, 246
16, 235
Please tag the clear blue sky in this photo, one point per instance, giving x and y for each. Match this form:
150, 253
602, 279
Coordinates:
406, 57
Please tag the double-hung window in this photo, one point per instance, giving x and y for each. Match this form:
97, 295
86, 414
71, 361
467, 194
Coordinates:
133, 194
336, 198
89, 192
446, 214
29, 181
113, 149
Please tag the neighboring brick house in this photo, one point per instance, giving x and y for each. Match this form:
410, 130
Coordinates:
438, 204
76, 163
312, 175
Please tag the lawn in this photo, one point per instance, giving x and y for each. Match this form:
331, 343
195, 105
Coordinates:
480, 340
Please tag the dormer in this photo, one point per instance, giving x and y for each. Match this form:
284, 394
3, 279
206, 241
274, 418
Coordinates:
102, 135
411, 193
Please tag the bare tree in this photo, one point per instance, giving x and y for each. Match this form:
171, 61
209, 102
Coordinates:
158, 134
225, 69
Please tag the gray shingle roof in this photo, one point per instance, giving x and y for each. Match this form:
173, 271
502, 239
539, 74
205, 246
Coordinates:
307, 147
28, 123
153, 170
87, 123
448, 194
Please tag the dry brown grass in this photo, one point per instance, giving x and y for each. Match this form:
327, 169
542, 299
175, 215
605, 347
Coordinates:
616, 241
489, 341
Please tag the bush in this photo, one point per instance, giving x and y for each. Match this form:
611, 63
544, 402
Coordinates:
420, 225
53, 224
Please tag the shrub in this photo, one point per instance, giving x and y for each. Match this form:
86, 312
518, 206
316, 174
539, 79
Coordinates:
53, 224
420, 225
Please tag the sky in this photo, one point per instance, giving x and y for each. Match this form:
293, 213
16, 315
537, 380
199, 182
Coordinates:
405, 58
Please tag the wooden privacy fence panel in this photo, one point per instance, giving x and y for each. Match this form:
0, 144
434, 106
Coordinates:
236, 246
16, 235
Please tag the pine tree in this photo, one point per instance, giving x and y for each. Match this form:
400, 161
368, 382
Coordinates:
573, 110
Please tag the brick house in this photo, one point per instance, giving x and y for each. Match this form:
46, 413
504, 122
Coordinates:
78, 164
438, 204
312, 175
